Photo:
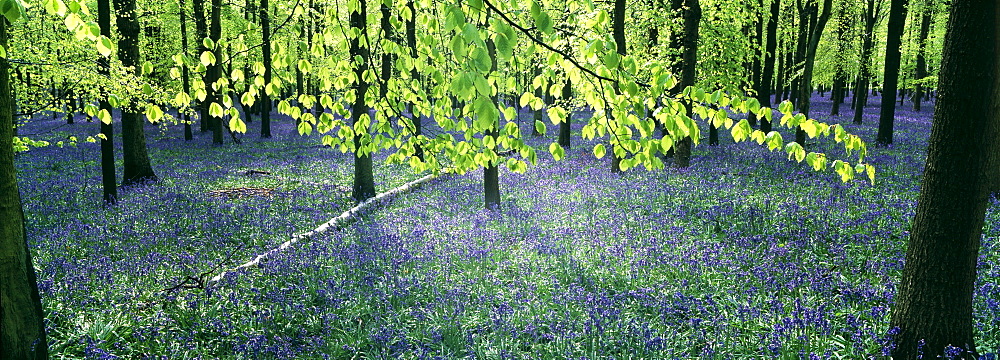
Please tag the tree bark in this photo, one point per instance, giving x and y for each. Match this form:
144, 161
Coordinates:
692, 16
265, 99
491, 172
214, 72
109, 179
185, 72
22, 327
767, 75
872, 14
840, 75
618, 32
934, 304
890, 82
564, 127
411, 41
815, 32
201, 31
364, 179
921, 70
136, 160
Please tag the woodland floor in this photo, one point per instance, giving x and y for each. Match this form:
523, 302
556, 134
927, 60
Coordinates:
744, 255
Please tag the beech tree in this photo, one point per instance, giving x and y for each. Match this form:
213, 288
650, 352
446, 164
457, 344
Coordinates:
934, 306
890, 82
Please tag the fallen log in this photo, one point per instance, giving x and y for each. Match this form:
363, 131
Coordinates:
336, 223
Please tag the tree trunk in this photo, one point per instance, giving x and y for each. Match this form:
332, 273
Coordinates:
815, 33
692, 16
921, 70
109, 179
771, 45
265, 99
618, 32
564, 127
890, 82
756, 66
201, 31
136, 160
364, 179
185, 72
22, 327
872, 14
840, 75
538, 113
411, 41
214, 72
934, 304
491, 172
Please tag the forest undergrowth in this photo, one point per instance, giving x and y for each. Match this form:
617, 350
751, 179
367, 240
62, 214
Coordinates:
743, 255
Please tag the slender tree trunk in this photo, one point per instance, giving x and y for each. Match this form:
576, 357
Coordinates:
894, 35
564, 127
22, 327
756, 66
816, 25
109, 179
692, 16
364, 179
538, 113
491, 172
214, 72
921, 70
411, 41
771, 45
185, 72
136, 160
840, 75
934, 303
201, 31
872, 15
265, 98
618, 32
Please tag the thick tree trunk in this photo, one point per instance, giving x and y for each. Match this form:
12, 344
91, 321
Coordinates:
22, 327
890, 82
109, 179
934, 303
364, 179
921, 70
265, 99
136, 160
767, 76
843, 43
692, 16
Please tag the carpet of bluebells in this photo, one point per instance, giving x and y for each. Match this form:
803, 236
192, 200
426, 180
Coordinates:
744, 255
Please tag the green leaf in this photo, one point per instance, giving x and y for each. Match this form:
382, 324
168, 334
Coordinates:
305, 128
237, 125
795, 151
305, 66
599, 151
544, 23
104, 116
208, 43
105, 46
557, 151
505, 49
785, 107
741, 131
55, 7
216, 110
207, 58
147, 68
540, 127
153, 113
13, 10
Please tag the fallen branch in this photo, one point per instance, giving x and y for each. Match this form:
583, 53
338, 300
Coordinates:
336, 223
